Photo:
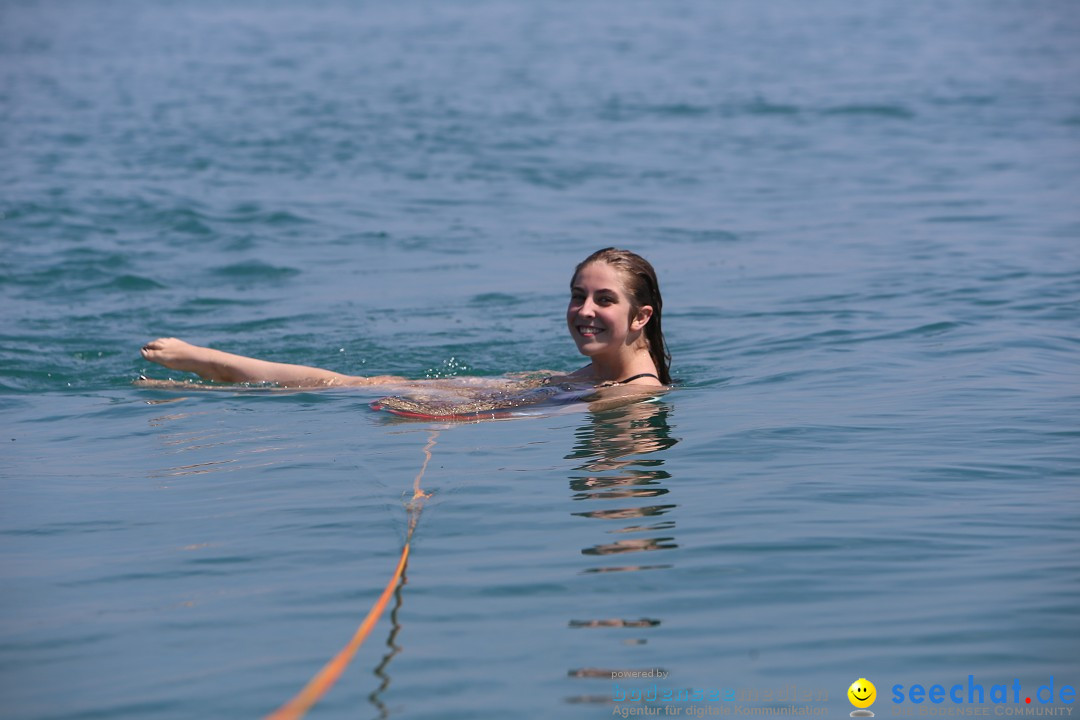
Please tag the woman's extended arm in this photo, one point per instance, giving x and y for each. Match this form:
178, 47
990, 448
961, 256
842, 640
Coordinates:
211, 364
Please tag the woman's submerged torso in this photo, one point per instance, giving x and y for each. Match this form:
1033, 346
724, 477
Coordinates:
473, 396
465, 398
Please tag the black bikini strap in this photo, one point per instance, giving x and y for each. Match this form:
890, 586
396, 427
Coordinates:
635, 377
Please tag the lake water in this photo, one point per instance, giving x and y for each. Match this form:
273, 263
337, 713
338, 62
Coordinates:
865, 220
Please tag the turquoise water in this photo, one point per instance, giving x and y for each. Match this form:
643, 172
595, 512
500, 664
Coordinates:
864, 219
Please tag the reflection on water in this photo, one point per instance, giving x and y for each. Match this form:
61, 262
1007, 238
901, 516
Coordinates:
615, 622
624, 546
211, 436
621, 461
618, 479
381, 670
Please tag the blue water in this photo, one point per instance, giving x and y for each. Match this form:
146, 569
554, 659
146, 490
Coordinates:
864, 218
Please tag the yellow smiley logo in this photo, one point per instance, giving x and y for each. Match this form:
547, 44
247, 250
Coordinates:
862, 693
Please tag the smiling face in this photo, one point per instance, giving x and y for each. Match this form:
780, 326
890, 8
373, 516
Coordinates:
862, 693
599, 313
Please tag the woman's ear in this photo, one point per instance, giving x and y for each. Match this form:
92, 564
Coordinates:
641, 318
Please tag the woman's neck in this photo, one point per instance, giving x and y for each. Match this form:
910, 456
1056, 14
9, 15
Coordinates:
622, 368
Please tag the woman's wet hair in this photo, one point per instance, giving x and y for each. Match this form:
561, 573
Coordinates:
643, 289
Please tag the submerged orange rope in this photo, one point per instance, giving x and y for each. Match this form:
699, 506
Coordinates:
325, 678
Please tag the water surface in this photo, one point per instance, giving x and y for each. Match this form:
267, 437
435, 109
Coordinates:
864, 220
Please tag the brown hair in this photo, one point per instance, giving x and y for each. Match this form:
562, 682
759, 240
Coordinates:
643, 289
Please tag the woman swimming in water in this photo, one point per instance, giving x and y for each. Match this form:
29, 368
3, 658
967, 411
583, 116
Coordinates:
614, 317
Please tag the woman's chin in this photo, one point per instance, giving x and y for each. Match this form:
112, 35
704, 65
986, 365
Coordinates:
590, 350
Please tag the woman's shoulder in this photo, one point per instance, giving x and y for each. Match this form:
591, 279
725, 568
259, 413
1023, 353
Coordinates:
646, 379
586, 377
583, 378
